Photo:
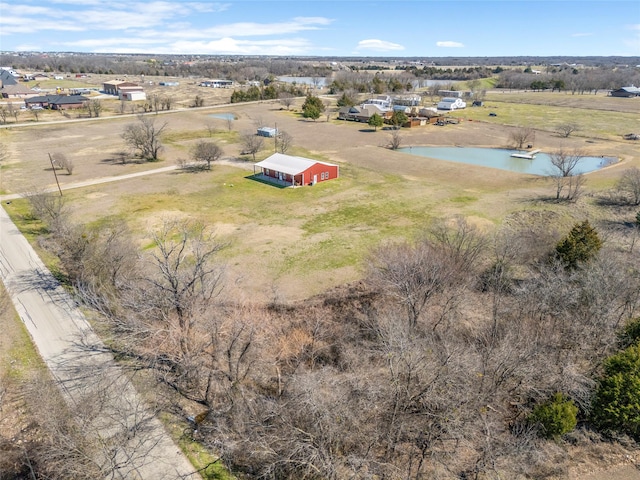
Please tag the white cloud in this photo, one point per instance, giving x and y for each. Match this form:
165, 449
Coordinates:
378, 45
232, 46
449, 44
251, 29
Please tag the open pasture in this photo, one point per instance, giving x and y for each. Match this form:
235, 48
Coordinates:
298, 242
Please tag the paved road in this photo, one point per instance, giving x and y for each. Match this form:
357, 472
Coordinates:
80, 363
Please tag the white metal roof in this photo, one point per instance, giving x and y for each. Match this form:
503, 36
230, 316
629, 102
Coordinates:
287, 163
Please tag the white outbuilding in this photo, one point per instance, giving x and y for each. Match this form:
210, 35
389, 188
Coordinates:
451, 103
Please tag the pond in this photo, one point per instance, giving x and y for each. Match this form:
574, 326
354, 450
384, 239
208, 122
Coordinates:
502, 159
223, 116
311, 81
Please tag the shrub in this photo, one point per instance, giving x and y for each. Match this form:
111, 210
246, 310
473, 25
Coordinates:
630, 334
579, 246
555, 417
616, 403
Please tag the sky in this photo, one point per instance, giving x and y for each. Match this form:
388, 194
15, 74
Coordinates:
391, 28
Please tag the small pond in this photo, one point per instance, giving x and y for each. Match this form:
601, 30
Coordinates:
317, 81
502, 159
223, 116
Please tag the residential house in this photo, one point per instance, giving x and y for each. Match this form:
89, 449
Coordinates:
626, 92
57, 102
17, 91
7, 77
362, 113
291, 171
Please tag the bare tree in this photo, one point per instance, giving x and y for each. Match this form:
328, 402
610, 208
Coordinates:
566, 129
36, 113
251, 144
284, 141
565, 173
62, 161
327, 109
230, 119
198, 101
94, 107
155, 102
286, 99
522, 136
396, 139
144, 137
629, 185
4, 152
107, 434
13, 111
166, 102
206, 152
50, 208
211, 128
3, 114
186, 277
413, 274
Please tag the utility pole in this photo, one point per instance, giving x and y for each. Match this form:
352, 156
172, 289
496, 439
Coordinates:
55, 174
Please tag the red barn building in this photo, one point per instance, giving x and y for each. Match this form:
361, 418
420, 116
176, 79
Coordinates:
295, 171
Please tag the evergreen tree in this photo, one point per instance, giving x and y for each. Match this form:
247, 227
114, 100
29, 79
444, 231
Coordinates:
375, 121
581, 245
616, 405
312, 107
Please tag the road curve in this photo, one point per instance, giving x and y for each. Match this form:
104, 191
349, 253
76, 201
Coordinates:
76, 357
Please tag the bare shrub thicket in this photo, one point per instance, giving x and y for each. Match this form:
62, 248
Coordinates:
428, 368
628, 186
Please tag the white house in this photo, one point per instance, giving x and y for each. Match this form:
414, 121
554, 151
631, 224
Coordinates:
450, 103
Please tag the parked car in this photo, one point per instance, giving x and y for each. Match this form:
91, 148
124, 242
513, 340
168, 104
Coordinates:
37, 107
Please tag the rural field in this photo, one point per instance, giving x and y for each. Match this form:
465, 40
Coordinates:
299, 242
294, 295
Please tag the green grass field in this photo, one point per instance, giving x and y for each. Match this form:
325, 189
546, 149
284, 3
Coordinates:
591, 123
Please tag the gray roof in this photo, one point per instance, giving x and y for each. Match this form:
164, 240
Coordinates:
288, 163
58, 99
7, 79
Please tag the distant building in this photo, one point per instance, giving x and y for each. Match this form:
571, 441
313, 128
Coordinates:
450, 103
450, 93
113, 87
407, 100
131, 93
217, 83
267, 132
